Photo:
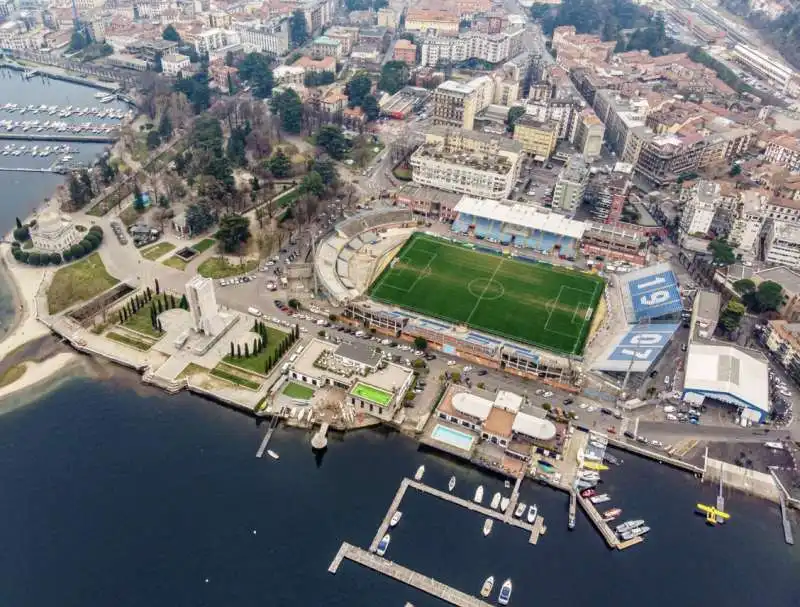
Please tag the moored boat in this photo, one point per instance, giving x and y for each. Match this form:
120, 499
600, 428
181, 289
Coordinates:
599, 499
533, 512
272, 454
629, 535
505, 593
612, 459
487, 526
452, 484
383, 545
596, 466
588, 475
610, 515
520, 510
478, 495
486, 589
420, 472
629, 525
588, 492
395, 518
504, 502
496, 500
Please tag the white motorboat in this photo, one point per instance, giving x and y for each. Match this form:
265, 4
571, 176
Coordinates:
496, 500
452, 484
505, 593
589, 475
272, 454
420, 472
629, 525
600, 499
486, 589
478, 495
487, 526
533, 511
520, 510
504, 502
395, 518
629, 535
383, 545
507, 484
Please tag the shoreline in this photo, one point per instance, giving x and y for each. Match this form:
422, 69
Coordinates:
18, 303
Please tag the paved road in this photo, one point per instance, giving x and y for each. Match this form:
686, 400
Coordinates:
710, 433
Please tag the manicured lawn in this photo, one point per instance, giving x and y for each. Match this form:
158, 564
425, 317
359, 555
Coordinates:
287, 198
175, 262
204, 245
221, 373
298, 391
156, 251
258, 363
128, 341
78, 282
218, 267
536, 303
12, 374
140, 322
372, 394
192, 369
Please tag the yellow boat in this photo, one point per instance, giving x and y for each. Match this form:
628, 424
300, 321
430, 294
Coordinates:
713, 515
594, 466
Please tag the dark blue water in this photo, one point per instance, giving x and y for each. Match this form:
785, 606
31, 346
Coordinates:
118, 497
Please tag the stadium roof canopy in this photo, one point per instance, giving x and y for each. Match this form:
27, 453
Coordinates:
727, 374
651, 293
522, 215
636, 349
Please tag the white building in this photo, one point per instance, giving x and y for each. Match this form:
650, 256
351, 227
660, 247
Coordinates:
764, 66
492, 48
289, 74
271, 37
467, 162
203, 307
571, 185
212, 39
701, 208
54, 233
174, 64
782, 244
744, 223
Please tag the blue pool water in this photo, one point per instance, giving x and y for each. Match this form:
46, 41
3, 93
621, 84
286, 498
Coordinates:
452, 437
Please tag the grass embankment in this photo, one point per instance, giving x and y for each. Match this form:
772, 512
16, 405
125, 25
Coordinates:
141, 322
175, 262
128, 341
204, 245
298, 391
258, 363
219, 267
12, 374
79, 282
223, 371
156, 251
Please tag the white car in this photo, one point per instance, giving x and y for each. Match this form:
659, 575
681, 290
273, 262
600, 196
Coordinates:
467, 369
303, 330
547, 394
669, 409
671, 417
591, 409
583, 406
539, 392
451, 363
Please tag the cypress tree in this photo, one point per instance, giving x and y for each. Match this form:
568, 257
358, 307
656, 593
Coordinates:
231, 349
120, 317
160, 326
184, 302
149, 294
238, 351
246, 351
255, 326
166, 303
158, 287
172, 300
266, 366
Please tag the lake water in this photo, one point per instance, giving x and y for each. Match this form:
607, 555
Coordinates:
114, 494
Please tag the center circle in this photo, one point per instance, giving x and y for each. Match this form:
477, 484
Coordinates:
486, 289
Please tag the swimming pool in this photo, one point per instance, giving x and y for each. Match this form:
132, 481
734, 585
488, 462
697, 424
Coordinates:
452, 437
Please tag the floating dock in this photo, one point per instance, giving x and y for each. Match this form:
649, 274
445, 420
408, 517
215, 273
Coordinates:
608, 534
403, 574
572, 509
787, 525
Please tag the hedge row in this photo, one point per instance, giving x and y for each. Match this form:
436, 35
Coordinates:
89, 243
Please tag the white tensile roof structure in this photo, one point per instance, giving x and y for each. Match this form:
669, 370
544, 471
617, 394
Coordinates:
523, 215
472, 405
534, 427
728, 374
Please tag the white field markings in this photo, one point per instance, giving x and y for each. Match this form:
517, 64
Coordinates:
554, 304
421, 273
486, 288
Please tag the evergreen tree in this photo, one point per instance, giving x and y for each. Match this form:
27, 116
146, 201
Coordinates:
231, 349
266, 366
246, 351
149, 294
19, 223
158, 288
121, 320
160, 326
184, 302
172, 300
238, 351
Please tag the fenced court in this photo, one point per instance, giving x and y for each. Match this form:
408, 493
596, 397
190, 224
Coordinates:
536, 303
372, 394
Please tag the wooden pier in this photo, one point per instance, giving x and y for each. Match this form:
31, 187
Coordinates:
608, 534
384, 527
403, 574
265, 442
572, 509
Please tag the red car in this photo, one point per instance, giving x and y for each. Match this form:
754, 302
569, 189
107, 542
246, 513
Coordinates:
612, 430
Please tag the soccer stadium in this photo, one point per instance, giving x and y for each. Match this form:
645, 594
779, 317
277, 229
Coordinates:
534, 303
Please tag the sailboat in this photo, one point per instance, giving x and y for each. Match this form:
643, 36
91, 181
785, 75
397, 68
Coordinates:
452, 484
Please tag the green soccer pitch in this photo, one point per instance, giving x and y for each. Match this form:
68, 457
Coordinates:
534, 303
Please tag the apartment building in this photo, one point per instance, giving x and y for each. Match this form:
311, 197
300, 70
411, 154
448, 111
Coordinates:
539, 139
317, 66
388, 18
347, 35
207, 41
625, 123
784, 151
322, 46
454, 104
271, 37
318, 13
441, 22
174, 64
589, 133
562, 111
289, 74
492, 48
700, 209
782, 244
783, 209
743, 221
571, 185
467, 162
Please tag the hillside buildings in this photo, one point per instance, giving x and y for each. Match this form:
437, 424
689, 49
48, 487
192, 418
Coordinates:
538, 139
488, 47
441, 22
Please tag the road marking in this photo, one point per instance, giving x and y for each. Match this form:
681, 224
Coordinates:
636, 427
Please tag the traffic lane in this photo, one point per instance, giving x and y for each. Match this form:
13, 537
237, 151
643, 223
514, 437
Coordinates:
707, 432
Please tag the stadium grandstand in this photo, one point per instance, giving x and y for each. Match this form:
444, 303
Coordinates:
651, 293
518, 225
339, 274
